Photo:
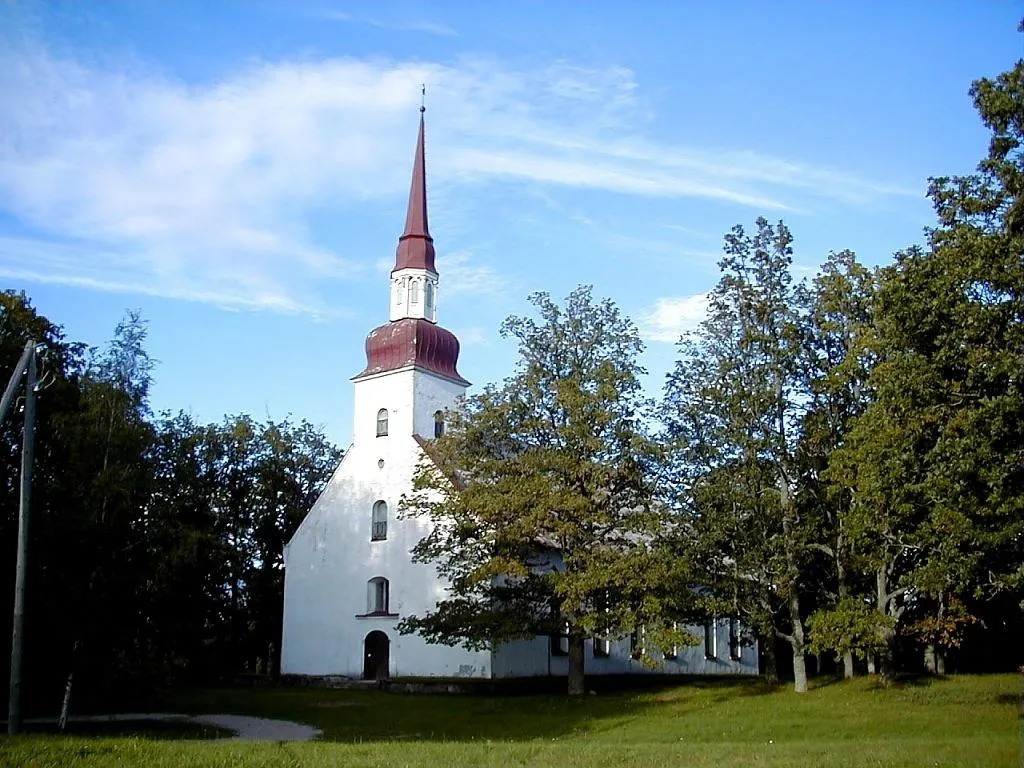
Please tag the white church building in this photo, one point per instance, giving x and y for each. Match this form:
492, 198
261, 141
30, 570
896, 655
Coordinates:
349, 575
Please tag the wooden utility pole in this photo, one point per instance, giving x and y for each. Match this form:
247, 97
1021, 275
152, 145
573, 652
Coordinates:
17, 635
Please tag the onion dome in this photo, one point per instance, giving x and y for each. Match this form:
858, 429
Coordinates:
412, 342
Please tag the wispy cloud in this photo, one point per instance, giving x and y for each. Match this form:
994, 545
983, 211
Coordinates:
669, 318
414, 25
473, 336
128, 180
463, 274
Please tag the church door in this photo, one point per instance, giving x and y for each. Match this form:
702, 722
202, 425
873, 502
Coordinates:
375, 656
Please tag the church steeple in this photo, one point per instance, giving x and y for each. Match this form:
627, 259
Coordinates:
414, 278
412, 338
416, 246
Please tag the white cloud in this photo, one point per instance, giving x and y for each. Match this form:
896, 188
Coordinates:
462, 275
671, 317
472, 336
418, 25
128, 180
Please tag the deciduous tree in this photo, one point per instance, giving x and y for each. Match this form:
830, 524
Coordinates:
540, 496
734, 404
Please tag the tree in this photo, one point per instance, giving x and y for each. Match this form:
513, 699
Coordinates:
227, 497
733, 406
107, 483
539, 496
838, 307
49, 550
937, 460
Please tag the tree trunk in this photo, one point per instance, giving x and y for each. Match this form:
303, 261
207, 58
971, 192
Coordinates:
888, 667
576, 664
887, 656
848, 670
844, 591
797, 639
799, 670
937, 652
771, 668
934, 660
872, 666
798, 643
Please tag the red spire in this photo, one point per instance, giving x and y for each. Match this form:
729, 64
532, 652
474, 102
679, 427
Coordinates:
416, 246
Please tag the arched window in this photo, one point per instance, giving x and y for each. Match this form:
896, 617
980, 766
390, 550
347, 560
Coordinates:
377, 595
672, 654
710, 639
438, 423
414, 291
734, 639
382, 422
400, 291
636, 642
560, 637
428, 295
379, 526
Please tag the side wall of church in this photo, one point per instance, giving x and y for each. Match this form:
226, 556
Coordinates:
713, 654
535, 658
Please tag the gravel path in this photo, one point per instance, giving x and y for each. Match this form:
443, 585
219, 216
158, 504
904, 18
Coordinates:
245, 728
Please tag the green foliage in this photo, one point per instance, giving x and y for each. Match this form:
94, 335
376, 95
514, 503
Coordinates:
733, 406
935, 464
155, 544
850, 625
539, 495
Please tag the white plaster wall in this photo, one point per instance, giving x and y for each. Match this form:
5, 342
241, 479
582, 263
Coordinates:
331, 557
393, 391
432, 393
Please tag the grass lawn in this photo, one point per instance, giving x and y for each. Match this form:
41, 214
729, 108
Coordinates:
962, 721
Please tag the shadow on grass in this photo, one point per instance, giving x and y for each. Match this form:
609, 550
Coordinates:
1015, 699
904, 680
134, 729
372, 715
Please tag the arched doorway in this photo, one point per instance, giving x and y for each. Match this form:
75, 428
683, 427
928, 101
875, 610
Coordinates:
376, 649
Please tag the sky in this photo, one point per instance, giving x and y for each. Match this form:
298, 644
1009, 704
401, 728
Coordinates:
238, 171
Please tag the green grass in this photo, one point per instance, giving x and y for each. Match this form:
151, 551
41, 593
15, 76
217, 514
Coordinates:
961, 721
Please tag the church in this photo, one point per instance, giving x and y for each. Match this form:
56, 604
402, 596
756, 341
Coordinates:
349, 575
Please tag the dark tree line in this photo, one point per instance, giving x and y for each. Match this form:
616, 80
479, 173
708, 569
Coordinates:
156, 543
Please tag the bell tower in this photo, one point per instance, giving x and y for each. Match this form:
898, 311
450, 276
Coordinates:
411, 361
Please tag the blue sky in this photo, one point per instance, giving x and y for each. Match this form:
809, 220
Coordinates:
238, 171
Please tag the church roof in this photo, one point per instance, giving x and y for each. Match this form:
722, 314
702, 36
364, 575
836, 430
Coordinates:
412, 341
428, 448
416, 246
